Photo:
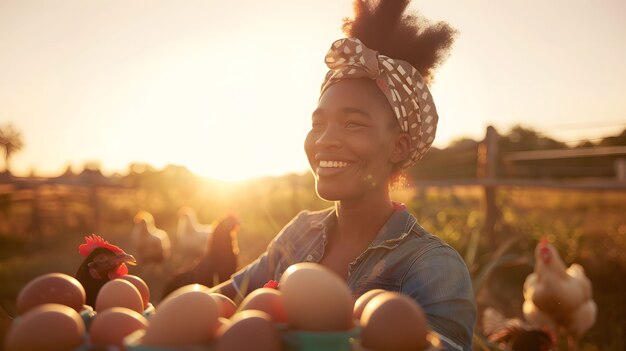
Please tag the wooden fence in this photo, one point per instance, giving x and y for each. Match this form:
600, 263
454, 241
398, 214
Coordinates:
72, 201
497, 169
35, 207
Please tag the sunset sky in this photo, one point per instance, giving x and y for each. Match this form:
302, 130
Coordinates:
226, 88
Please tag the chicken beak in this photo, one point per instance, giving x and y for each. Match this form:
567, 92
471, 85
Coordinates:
123, 257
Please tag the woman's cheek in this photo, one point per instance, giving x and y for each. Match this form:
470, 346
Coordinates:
309, 145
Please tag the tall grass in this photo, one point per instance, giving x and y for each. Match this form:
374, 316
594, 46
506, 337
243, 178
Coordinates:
586, 227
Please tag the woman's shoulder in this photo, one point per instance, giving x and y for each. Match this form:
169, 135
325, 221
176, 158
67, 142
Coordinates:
425, 248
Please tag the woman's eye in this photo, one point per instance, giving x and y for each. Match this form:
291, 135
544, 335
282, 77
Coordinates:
353, 125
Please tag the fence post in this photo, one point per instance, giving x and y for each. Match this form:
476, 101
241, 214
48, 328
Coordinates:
36, 214
488, 170
620, 169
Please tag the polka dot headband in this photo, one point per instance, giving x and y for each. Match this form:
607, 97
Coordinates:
400, 82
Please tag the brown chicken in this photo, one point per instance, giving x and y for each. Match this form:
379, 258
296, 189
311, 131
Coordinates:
556, 296
515, 334
103, 262
218, 263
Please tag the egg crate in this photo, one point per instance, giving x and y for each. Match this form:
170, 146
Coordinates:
291, 341
315, 341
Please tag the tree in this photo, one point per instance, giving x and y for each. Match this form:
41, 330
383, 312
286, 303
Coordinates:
10, 142
521, 138
618, 140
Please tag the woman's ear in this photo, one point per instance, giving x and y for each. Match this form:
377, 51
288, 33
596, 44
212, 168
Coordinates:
401, 149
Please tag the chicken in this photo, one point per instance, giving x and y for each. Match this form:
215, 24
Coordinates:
218, 263
556, 296
191, 235
515, 334
103, 262
150, 243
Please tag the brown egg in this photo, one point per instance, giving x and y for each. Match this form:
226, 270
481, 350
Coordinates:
226, 305
222, 325
119, 293
362, 301
267, 300
185, 289
316, 299
48, 327
51, 288
250, 330
393, 322
186, 319
110, 327
141, 285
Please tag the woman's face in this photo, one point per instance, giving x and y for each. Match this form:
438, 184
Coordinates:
354, 140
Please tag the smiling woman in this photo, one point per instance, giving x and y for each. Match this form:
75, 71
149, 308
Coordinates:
374, 117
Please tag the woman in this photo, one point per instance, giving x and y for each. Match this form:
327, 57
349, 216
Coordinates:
375, 116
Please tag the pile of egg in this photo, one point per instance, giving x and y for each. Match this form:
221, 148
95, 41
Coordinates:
313, 309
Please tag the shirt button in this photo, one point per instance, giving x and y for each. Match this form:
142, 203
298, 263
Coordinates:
309, 258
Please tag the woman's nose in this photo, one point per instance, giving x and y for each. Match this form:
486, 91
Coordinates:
329, 138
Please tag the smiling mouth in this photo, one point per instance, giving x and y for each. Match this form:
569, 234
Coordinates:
333, 164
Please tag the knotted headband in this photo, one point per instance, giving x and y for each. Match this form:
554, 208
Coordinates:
401, 83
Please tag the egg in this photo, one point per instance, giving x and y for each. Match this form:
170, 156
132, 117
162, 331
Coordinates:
250, 330
316, 299
141, 285
185, 289
110, 327
267, 300
362, 301
49, 327
226, 305
393, 322
222, 324
119, 293
51, 288
186, 319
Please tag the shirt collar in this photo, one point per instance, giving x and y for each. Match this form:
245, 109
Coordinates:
395, 229
327, 220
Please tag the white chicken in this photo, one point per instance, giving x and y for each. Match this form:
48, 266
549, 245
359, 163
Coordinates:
150, 243
191, 235
556, 296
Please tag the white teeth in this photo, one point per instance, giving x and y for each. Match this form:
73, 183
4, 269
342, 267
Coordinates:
333, 164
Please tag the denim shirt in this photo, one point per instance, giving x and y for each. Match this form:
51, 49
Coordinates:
403, 257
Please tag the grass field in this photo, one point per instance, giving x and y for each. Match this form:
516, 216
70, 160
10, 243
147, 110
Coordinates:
587, 227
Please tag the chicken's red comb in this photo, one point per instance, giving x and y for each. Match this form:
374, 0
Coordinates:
95, 241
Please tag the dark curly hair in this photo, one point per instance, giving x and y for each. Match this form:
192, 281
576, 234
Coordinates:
383, 26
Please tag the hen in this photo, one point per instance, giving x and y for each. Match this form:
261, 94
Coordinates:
190, 234
515, 334
556, 296
150, 243
103, 262
218, 263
